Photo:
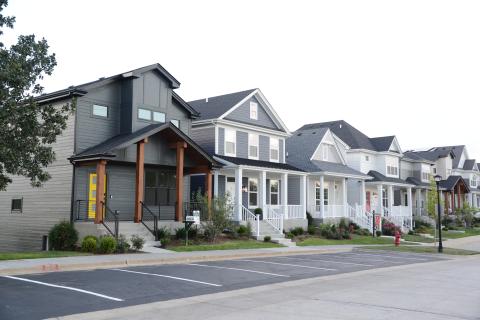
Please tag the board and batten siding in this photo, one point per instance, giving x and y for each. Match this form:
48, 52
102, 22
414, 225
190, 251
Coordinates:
42, 207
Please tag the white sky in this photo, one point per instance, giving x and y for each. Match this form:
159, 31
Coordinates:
408, 68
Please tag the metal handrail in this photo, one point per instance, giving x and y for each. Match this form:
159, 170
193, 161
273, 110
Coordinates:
154, 229
78, 206
109, 216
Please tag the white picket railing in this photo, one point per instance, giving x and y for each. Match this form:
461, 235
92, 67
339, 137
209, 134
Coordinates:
404, 222
254, 220
361, 217
330, 211
274, 219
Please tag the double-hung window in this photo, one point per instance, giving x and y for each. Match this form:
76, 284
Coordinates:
253, 110
425, 176
17, 205
274, 149
253, 146
274, 192
230, 142
252, 192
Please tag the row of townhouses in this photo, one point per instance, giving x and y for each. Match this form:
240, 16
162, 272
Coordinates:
134, 151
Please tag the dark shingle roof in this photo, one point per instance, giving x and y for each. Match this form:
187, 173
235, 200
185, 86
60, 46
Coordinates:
258, 163
434, 154
469, 164
377, 176
417, 182
451, 182
353, 137
333, 167
415, 156
216, 106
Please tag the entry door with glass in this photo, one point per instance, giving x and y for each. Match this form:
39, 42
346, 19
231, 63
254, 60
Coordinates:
230, 189
92, 194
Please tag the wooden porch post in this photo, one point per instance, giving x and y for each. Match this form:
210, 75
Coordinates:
208, 191
100, 196
139, 180
458, 197
453, 200
179, 181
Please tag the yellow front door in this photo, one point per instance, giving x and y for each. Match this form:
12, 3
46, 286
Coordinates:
92, 194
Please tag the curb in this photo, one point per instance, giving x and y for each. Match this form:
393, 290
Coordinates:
58, 267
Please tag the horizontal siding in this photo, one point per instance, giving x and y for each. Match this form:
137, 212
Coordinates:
242, 114
42, 207
264, 148
204, 137
221, 141
242, 144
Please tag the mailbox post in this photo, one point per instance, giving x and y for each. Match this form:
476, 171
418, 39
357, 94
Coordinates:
191, 220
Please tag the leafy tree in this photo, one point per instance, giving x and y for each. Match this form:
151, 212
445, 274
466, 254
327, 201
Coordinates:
432, 199
27, 129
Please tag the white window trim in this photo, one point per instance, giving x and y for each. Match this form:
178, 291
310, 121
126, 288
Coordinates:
257, 138
254, 106
270, 150
234, 154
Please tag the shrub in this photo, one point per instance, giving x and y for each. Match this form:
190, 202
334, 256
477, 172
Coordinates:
122, 244
289, 235
389, 229
258, 211
267, 238
181, 232
309, 219
63, 236
422, 229
418, 223
242, 230
163, 232
343, 224
108, 244
297, 231
362, 232
311, 230
378, 233
137, 242
410, 232
220, 218
89, 244
164, 242
324, 229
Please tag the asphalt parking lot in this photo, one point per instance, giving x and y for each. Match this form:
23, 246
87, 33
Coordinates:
45, 295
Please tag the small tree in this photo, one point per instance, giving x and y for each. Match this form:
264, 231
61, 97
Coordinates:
432, 204
219, 217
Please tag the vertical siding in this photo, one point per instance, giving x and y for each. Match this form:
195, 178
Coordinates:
264, 148
221, 141
242, 144
242, 114
42, 207
205, 137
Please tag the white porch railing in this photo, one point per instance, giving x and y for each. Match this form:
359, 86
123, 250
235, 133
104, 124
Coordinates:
290, 211
361, 217
273, 218
254, 221
404, 222
401, 211
330, 211
417, 211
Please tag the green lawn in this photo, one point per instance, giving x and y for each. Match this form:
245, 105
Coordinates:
315, 241
417, 238
455, 235
39, 254
227, 245
423, 249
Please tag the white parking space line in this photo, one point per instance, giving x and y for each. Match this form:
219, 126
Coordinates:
329, 261
65, 287
384, 256
169, 277
238, 269
286, 264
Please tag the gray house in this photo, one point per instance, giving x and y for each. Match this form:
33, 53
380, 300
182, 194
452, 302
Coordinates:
127, 141
243, 132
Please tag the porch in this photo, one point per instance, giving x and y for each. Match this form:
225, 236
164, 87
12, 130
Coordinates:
454, 192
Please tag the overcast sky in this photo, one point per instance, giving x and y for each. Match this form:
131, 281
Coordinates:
404, 68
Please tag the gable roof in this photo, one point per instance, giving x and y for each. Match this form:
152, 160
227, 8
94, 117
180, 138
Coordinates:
257, 163
434, 154
415, 156
417, 182
215, 107
469, 164
378, 177
452, 181
353, 137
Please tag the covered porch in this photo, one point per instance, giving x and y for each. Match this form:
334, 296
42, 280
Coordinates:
454, 191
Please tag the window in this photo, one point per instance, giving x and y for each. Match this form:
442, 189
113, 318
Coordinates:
384, 198
175, 122
274, 192
325, 153
274, 149
100, 111
144, 114
160, 186
393, 171
473, 182
253, 110
253, 146
367, 158
325, 196
252, 192
230, 142
17, 205
434, 170
158, 116
425, 176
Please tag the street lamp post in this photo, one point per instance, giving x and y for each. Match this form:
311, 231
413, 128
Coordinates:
440, 246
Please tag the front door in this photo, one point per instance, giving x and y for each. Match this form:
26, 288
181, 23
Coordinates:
92, 194
230, 189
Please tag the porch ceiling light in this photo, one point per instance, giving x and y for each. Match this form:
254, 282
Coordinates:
437, 178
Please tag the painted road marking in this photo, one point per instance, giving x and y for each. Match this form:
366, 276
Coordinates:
169, 277
238, 269
385, 256
64, 287
286, 264
332, 261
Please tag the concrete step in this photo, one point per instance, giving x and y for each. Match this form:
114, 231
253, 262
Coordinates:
129, 228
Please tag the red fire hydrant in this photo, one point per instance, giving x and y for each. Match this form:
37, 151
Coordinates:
397, 238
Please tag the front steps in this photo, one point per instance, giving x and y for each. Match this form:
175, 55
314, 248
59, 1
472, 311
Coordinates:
267, 230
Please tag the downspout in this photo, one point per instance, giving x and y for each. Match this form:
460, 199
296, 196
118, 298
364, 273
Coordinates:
72, 197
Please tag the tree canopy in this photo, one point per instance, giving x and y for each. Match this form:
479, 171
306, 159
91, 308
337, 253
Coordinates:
27, 128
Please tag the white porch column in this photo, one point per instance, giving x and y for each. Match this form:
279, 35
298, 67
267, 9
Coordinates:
344, 197
390, 199
303, 195
470, 195
285, 194
322, 197
363, 196
409, 200
263, 190
380, 199
238, 192
215, 183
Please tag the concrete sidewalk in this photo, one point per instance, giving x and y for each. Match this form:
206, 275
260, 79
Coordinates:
467, 243
27, 266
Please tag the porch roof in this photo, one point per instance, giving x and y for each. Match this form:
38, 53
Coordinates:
105, 150
256, 163
336, 168
378, 177
452, 181
417, 182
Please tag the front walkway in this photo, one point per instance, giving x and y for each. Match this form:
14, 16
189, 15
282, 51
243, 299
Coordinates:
467, 243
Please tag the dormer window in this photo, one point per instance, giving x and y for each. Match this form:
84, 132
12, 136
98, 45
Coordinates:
274, 149
253, 110
230, 142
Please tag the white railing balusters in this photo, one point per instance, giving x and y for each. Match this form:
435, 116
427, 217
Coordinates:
274, 218
254, 220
